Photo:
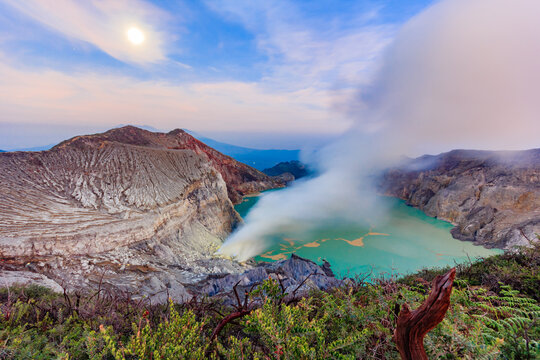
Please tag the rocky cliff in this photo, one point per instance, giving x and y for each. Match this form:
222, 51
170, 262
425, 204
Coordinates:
130, 209
240, 178
492, 198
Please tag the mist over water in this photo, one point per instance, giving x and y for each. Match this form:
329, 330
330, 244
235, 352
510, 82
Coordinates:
462, 74
408, 241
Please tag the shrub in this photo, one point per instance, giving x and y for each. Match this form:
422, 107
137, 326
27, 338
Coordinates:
179, 337
486, 320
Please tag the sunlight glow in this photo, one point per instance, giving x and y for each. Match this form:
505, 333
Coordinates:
135, 36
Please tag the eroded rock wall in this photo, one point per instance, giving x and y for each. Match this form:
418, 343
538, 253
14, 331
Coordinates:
132, 216
93, 199
492, 198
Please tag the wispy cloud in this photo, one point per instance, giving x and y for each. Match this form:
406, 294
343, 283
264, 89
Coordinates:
311, 62
107, 99
325, 51
104, 24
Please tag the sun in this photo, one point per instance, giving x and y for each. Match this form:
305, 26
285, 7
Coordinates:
135, 36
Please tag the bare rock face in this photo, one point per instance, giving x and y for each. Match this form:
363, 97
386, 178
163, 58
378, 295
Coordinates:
492, 198
240, 178
129, 209
298, 276
13, 278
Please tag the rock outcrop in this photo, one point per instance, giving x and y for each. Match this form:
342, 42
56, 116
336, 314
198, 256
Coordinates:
295, 168
492, 198
130, 209
297, 275
24, 278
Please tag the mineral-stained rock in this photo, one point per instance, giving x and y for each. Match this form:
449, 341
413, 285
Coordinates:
130, 209
240, 178
492, 198
286, 178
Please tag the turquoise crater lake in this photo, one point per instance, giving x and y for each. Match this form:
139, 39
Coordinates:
408, 241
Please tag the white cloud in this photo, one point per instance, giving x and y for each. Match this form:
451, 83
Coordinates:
319, 52
104, 24
52, 97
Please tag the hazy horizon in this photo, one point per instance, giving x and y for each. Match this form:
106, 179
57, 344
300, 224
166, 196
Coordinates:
259, 75
25, 136
283, 75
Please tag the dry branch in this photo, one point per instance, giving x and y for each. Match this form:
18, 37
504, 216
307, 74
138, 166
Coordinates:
242, 309
413, 326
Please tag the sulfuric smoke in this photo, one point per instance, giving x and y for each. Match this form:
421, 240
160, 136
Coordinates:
462, 74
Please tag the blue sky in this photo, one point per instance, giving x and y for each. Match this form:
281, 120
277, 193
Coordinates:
276, 71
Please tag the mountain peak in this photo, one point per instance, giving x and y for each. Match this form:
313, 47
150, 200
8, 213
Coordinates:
177, 132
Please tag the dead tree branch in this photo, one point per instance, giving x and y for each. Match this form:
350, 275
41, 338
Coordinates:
242, 309
413, 326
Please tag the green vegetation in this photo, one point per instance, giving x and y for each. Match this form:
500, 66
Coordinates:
494, 314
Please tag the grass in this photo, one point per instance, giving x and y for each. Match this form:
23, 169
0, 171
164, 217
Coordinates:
494, 314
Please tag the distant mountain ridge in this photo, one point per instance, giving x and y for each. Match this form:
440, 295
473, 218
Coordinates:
259, 159
295, 168
35, 148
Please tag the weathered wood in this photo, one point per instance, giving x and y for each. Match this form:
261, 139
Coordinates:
413, 326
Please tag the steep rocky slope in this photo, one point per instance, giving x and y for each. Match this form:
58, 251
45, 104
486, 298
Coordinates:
298, 276
493, 198
240, 178
128, 208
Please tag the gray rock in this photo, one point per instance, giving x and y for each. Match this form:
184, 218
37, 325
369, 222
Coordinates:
296, 274
492, 198
22, 278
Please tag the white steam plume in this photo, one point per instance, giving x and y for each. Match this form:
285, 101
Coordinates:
462, 74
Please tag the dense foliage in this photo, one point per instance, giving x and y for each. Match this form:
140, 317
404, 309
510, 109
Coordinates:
494, 314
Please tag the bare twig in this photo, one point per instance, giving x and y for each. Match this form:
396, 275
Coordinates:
236, 294
242, 309
227, 319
